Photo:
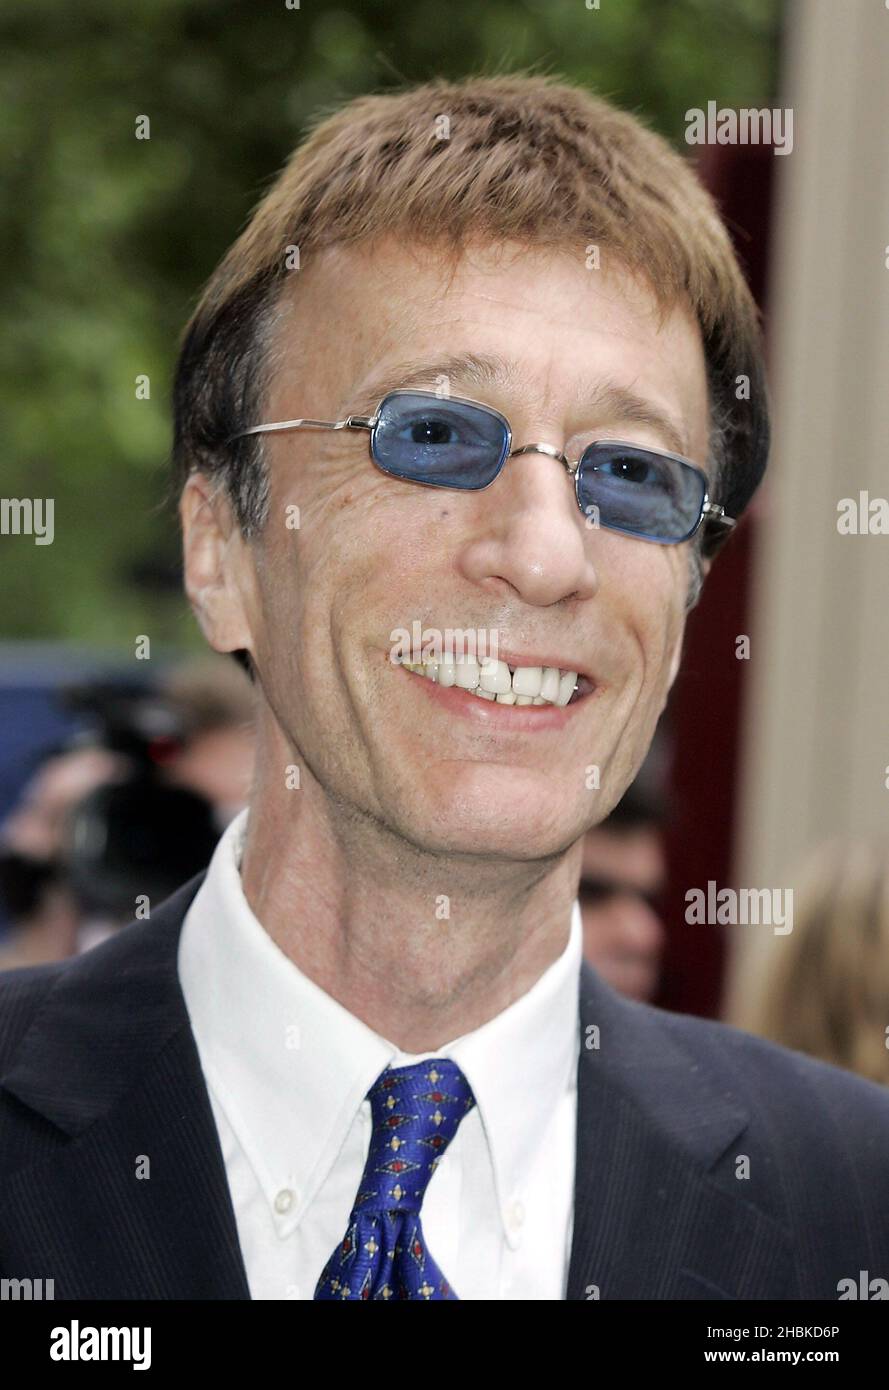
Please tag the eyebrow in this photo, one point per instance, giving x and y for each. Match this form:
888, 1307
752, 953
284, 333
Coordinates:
482, 372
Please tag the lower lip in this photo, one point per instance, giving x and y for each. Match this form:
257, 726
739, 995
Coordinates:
521, 719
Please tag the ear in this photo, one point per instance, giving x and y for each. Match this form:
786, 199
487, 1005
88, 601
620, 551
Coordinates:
676, 661
705, 562
216, 565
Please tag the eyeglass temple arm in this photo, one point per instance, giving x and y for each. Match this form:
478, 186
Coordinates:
715, 517
352, 422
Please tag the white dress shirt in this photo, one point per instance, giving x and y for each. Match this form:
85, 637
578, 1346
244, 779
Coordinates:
288, 1069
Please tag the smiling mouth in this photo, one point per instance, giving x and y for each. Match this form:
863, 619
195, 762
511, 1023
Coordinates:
505, 684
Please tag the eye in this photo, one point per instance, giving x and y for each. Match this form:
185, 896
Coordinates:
437, 429
631, 470
429, 430
592, 892
634, 470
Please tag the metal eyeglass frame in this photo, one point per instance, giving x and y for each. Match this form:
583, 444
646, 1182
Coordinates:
712, 514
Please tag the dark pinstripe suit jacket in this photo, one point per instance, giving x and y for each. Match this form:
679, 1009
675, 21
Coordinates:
710, 1165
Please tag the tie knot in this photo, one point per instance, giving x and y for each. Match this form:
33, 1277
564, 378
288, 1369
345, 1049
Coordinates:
416, 1113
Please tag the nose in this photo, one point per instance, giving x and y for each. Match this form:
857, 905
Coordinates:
532, 535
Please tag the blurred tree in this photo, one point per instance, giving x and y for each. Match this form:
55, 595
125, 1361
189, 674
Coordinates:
105, 239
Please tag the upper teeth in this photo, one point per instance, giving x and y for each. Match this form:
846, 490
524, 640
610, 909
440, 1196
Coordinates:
495, 680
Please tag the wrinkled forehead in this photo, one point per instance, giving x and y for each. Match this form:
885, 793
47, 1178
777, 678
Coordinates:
358, 318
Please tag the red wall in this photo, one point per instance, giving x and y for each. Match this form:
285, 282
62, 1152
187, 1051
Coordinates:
703, 716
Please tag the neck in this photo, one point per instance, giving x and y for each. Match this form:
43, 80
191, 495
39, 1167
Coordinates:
421, 947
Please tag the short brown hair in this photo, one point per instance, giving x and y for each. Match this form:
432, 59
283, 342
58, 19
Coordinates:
525, 158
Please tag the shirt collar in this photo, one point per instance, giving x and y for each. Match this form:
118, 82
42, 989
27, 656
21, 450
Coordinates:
290, 1066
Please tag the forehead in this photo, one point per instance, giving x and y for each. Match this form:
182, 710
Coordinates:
551, 330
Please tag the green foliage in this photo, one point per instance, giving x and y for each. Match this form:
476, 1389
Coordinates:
106, 239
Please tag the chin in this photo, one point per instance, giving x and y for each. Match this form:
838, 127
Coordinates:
504, 829
492, 845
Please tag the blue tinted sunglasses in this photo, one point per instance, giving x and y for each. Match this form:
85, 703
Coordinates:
446, 441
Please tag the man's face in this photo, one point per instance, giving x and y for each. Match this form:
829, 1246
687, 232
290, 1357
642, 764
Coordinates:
446, 770
622, 870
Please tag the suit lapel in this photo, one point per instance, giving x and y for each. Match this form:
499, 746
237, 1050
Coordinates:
130, 1198
651, 1221
135, 1202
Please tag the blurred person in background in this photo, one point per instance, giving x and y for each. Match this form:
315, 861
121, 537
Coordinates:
623, 873
34, 882
827, 992
188, 744
212, 702
132, 807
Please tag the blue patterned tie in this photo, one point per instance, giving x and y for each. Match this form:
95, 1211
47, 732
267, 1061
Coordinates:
416, 1111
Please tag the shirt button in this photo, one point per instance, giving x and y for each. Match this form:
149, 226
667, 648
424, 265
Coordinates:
516, 1215
284, 1201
